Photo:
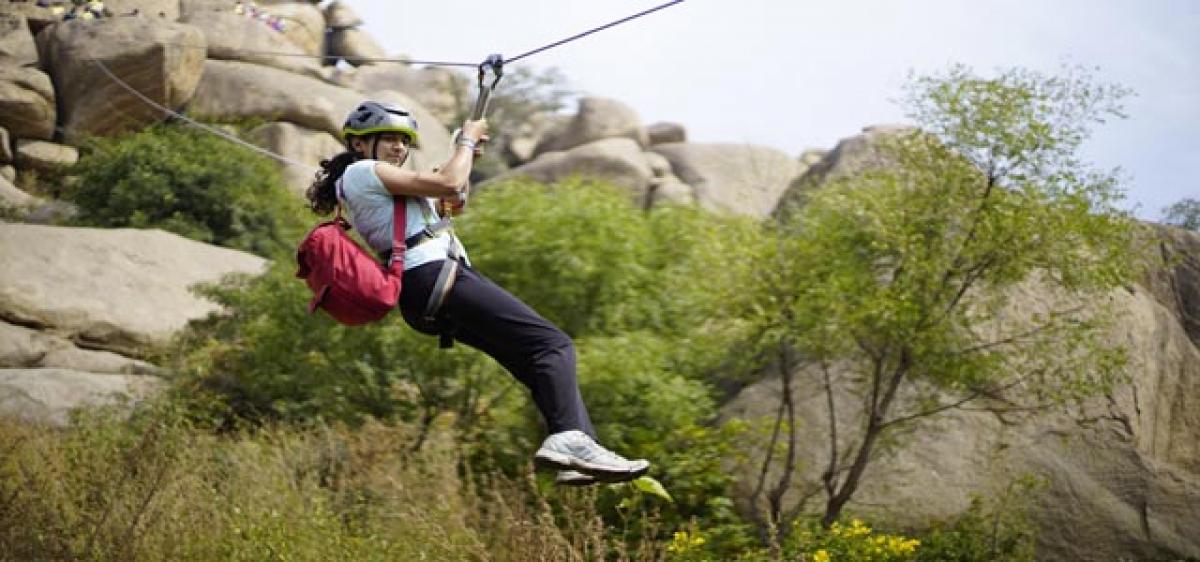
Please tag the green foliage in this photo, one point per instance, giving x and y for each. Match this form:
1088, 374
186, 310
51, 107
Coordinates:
900, 276
997, 529
856, 541
1185, 213
189, 182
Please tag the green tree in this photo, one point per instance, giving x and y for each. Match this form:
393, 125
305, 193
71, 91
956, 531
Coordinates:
189, 182
893, 283
1184, 214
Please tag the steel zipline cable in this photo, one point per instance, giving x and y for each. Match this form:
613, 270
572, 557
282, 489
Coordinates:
284, 159
194, 123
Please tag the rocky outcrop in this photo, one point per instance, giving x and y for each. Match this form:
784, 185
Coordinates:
13, 198
27, 106
441, 91
1122, 472
22, 348
6, 153
617, 160
161, 60
16, 42
297, 143
663, 133
355, 46
120, 290
153, 10
47, 396
738, 178
597, 118
304, 24
239, 90
232, 36
44, 155
851, 156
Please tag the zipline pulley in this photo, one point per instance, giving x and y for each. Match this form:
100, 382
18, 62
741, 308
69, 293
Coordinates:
495, 63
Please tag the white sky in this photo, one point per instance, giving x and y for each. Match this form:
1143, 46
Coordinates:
797, 75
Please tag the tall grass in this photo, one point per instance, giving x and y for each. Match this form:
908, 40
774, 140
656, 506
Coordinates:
155, 487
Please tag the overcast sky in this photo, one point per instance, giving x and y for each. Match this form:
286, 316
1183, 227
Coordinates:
795, 75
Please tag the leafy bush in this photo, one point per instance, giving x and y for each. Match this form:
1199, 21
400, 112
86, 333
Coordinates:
188, 182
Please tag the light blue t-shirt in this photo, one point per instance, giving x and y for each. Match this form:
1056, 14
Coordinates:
369, 204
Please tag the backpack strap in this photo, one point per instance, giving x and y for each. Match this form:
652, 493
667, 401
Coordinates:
399, 224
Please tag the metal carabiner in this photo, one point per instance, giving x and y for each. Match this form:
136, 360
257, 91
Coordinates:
494, 62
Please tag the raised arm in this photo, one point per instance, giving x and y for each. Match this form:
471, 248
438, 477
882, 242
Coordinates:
444, 181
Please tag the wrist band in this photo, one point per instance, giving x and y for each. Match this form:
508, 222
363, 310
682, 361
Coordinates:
464, 141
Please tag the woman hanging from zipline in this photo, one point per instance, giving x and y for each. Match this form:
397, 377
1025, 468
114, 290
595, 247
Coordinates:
443, 295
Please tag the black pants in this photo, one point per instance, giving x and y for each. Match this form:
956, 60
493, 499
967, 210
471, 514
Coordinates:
482, 315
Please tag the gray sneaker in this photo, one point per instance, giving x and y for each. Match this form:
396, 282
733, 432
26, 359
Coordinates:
574, 450
574, 478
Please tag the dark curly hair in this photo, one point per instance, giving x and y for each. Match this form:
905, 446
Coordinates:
322, 194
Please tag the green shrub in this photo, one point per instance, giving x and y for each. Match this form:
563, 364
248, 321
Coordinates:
189, 182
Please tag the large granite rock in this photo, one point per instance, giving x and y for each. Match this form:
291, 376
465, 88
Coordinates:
22, 347
304, 24
45, 155
297, 143
161, 60
663, 133
617, 160
851, 156
597, 118
239, 90
355, 46
112, 289
16, 41
232, 36
12, 198
36, 17
48, 395
443, 92
1122, 471
27, 106
736, 178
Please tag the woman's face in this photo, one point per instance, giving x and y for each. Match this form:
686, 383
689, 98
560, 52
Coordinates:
388, 147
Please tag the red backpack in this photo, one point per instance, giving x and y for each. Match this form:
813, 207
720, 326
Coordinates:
346, 280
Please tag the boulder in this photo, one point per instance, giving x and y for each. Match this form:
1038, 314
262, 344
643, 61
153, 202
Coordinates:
304, 24
853, 155
354, 46
36, 17
45, 155
11, 197
27, 106
663, 133
111, 289
161, 60
339, 15
16, 41
670, 191
6, 153
597, 118
519, 145
231, 89
239, 90
232, 36
616, 160
442, 91
297, 143
48, 395
8, 172
1122, 470
738, 178
22, 347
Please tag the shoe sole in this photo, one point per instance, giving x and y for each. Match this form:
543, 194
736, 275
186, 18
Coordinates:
557, 461
577, 482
